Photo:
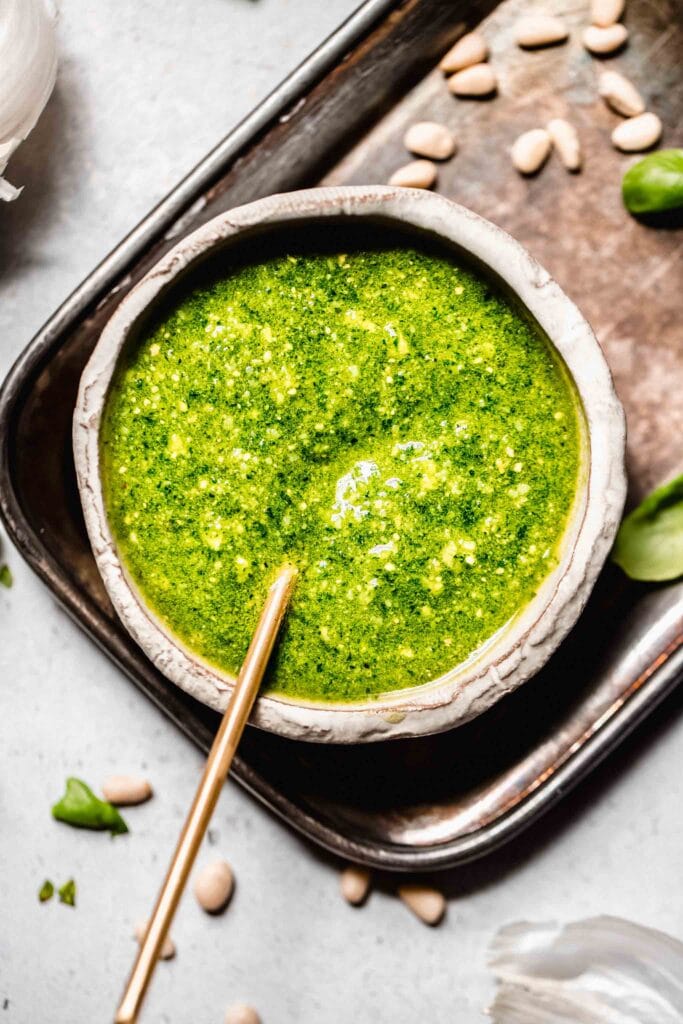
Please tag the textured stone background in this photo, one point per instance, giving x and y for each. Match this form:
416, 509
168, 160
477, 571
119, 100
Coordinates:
144, 90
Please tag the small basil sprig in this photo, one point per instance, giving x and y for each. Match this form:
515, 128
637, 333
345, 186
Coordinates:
655, 183
80, 807
649, 545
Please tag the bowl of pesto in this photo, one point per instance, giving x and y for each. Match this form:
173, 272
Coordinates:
386, 390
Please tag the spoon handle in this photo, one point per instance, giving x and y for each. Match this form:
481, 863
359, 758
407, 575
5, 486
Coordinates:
215, 772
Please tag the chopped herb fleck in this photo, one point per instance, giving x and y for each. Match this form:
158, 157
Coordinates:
6, 576
67, 893
46, 891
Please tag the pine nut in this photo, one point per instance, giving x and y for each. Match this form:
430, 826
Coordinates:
354, 884
427, 138
620, 94
471, 49
637, 133
531, 150
427, 904
417, 174
240, 1013
168, 948
126, 789
540, 30
477, 80
565, 139
214, 885
606, 12
605, 40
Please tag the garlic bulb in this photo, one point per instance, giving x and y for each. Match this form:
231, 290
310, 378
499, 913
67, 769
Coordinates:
603, 970
28, 58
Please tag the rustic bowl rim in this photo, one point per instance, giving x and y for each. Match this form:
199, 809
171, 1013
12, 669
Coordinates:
516, 652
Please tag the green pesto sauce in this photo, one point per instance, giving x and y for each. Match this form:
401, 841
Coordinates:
384, 419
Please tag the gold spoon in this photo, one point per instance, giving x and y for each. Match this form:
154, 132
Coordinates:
217, 767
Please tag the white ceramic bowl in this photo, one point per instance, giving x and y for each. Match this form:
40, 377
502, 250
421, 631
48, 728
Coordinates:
517, 651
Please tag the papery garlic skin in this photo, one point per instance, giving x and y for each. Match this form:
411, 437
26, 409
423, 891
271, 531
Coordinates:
604, 970
28, 63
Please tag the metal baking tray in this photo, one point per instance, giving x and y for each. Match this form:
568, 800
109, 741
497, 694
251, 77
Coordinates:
438, 801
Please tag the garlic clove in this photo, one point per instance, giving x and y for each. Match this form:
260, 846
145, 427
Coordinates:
595, 971
28, 58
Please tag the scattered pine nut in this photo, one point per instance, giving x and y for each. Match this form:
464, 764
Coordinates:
417, 174
427, 904
605, 40
620, 94
427, 138
240, 1013
540, 30
214, 886
354, 884
531, 150
124, 790
637, 133
470, 49
606, 12
565, 139
477, 80
168, 948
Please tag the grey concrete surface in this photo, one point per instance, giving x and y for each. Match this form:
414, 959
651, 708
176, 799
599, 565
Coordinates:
144, 89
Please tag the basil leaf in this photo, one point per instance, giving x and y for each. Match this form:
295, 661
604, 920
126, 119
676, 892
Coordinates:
649, 545
46, 891
80, 807
655, 183
67, 893
5, 576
